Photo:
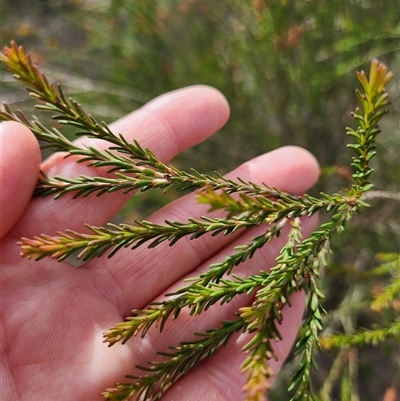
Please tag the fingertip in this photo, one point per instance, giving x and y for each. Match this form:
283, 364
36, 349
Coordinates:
20, 161
176, 120
290, 169
214, 101
202, 110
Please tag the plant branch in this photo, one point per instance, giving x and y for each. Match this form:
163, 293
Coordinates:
245, 204
186, 356
115, 237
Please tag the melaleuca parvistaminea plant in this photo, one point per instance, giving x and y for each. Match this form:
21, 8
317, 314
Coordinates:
245, 204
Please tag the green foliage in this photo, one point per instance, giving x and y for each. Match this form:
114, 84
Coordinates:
298, 265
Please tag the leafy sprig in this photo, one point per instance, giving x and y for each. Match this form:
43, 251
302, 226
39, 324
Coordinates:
245, 204
363, 337
373, 101
182, 358
115, 237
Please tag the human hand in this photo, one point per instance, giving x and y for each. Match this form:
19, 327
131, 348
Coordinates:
53, 314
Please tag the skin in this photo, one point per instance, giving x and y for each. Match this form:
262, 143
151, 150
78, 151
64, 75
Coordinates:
53, 314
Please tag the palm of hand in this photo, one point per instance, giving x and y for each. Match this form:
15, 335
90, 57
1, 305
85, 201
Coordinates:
53, 314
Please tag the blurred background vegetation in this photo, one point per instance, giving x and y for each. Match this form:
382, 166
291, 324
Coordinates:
287, 69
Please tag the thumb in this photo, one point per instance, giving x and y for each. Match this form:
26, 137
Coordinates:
19, 168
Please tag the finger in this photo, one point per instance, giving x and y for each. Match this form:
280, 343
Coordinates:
20, 159
167, 125
133, 278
